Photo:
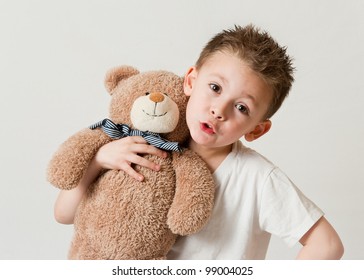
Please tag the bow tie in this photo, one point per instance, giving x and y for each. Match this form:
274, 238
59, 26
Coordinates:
117, 131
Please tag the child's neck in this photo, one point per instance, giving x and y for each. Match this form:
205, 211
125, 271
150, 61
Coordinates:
212, 156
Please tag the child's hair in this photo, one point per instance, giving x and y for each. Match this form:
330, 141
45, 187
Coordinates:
261, 53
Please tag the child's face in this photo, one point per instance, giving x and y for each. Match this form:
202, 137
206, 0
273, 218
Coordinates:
227, 101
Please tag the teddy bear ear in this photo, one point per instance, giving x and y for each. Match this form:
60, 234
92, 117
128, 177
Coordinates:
115, 75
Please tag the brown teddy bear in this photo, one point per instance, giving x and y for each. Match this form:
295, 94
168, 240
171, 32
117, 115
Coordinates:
119, 217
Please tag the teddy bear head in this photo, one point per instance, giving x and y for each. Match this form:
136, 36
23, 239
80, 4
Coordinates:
148, 101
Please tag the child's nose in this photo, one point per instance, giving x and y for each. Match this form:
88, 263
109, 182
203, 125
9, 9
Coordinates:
218, 113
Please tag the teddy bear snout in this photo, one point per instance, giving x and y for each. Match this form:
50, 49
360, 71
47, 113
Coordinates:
156, 97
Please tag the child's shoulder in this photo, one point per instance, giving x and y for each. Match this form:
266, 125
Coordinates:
251, 159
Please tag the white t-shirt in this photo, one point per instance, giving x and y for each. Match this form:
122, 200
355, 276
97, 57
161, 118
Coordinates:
254, 199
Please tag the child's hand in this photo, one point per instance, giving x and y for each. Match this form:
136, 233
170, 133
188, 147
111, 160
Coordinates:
121, 154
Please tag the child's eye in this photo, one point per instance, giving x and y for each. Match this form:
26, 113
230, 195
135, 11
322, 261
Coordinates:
215, 87
242, 108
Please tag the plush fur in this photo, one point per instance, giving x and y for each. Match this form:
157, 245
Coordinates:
119, 217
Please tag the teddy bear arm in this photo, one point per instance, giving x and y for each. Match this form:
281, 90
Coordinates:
194, 196
72, 158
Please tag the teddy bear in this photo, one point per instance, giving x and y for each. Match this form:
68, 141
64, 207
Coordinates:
120, 217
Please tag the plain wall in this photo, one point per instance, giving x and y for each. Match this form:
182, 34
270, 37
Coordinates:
53, 58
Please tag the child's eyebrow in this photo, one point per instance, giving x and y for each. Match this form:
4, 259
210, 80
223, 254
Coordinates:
220, 77
253, 100
251, 97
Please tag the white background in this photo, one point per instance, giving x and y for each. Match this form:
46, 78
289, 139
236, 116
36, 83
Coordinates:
53, 57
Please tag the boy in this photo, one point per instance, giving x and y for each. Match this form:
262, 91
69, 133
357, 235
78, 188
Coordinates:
239, 81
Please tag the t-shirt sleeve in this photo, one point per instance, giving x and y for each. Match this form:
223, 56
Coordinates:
284, 210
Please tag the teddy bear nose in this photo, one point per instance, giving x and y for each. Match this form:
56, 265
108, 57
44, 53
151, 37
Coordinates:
156, 97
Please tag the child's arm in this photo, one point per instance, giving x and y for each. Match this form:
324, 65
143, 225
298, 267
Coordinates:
321, 242
68, 200
119, 154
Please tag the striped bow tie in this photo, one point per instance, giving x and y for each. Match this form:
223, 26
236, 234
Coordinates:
117, 131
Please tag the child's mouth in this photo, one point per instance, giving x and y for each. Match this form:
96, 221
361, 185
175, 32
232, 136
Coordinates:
207, 128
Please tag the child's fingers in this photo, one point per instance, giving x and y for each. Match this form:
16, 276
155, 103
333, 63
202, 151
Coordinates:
136, 139
145, 148
131, 172
124, 153
138, 160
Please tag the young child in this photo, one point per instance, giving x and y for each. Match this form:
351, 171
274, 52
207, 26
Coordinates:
239, 81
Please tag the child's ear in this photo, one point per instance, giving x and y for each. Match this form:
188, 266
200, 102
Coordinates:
189, 79
258, 131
